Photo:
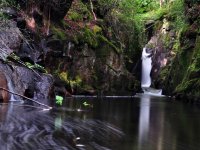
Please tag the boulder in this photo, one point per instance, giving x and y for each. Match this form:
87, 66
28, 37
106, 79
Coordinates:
10, 38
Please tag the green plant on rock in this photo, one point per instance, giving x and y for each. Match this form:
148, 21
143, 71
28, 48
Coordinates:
96, 29
88, 36
176, 14
59, 33
5, 3
36, 66
14, 58
79, 12
186, 86
59, 100
76, 82
75, 16
103, 39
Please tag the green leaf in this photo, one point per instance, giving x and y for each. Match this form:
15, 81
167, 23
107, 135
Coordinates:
86, 104
29, 65
59, 100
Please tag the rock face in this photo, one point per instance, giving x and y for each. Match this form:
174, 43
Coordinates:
183, 78
4, 95
24, 81
10, 38
15, 75
87, 57
176, 55
160, 45
53, 9
88, 70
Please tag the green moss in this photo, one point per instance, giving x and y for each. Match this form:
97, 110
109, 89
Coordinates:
176, 13
7, 3
103, 39
156, 14
79, 12
64, 76
176, 46
59, 33
73, 82
75, 16
191, 86
190, 82
96, 40
87, 87
89, 37
96, 29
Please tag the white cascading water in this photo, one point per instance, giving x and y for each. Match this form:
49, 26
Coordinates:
146, 69
10, 87
146, 78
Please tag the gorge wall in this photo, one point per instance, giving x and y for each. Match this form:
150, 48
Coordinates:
175, 53
84, 54
95, 50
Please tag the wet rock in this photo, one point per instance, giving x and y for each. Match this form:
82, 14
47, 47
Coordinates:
4, 95
10, 37
88, 60
43, 87
25, 78
28, 83
25, 53
55, 47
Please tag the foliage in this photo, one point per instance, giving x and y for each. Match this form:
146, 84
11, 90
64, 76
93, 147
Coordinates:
76, 82
89, 37
189, 69
97, 29
75, 16
35, 66
146, 5
59, 33
106, 6
103, 39
59, 100
133, 7
86, 104
176, 13
79, 12
4, 3
15, 58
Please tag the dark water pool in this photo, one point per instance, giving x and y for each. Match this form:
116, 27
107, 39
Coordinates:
140, 123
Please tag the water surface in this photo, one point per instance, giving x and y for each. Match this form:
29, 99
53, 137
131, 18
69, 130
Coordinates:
140, 123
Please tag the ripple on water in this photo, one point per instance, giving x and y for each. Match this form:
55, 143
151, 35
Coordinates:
29, 129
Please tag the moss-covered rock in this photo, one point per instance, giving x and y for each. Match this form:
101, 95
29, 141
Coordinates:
183, 78
79, 12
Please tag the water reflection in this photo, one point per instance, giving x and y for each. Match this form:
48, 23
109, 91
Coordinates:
144, 118
141, 123
24, 128
167, 125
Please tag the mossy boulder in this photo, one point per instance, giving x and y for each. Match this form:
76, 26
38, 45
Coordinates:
185, 82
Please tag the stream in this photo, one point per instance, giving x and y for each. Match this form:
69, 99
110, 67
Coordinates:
142, 122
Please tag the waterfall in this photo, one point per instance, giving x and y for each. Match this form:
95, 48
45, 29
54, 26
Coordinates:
10, 87
146, 69
146, 78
